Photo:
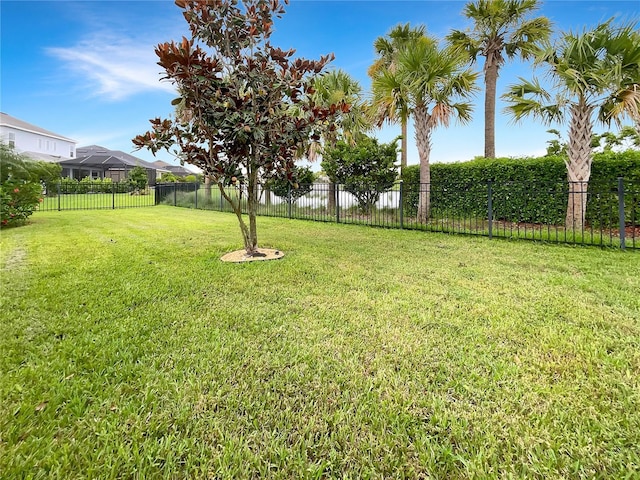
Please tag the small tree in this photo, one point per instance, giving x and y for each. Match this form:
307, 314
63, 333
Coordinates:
248, 107
300, 184
138, 179
365, 169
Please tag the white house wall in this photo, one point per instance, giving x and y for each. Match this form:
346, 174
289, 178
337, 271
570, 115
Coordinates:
25, 141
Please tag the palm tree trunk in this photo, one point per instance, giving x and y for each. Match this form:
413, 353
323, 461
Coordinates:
490, 81
579, 164
423, 142
403, 154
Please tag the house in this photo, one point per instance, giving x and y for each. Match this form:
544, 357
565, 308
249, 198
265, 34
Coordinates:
177, 170
95, 161
35, 142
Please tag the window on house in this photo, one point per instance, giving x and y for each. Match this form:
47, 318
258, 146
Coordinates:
71, 152
12, 140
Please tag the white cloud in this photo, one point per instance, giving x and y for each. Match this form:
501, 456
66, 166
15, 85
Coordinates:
114, 68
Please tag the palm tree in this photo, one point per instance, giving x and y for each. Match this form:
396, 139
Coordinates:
333, 88
500, 28
394, 108
435, 82
594, 74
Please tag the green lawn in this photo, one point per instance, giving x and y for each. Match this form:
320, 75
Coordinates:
130, 351
95, 201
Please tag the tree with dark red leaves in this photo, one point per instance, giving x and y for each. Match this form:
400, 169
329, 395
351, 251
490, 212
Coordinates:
246, 110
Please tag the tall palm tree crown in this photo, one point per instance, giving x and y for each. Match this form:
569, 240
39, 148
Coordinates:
594, 76
501, 28
338, 87
434, 85
393, 108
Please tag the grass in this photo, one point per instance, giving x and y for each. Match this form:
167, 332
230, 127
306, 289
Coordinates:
130, 350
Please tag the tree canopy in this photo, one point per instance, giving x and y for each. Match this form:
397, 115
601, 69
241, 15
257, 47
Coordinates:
247, 106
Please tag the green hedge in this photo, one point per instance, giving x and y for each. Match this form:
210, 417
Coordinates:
531, 190
87, 185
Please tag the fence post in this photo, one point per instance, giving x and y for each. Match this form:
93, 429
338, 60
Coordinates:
113, 195
621, 218
490, 207
221, 200
401, 206
337, 191
175, 194
289, 201
59, 193
195, 186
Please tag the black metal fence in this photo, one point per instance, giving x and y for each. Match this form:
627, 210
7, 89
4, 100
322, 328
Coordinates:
94, 195
606, 215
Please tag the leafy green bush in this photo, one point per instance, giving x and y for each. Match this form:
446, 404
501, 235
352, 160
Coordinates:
138, 179
300, 183
366, 169
107, 185
168, 177
21, 182
532, 190
190, 179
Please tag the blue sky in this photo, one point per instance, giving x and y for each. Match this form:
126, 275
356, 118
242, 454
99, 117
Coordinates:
87, 69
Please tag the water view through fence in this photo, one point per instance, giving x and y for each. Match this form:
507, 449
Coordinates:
607, 215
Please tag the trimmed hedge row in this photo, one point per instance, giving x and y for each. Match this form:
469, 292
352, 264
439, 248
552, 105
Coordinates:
68, 186
530, 190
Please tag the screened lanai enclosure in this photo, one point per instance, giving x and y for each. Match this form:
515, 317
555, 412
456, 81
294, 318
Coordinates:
97, 162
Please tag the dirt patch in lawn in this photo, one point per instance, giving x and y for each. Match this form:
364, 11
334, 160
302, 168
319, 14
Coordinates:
14, 260
240, 256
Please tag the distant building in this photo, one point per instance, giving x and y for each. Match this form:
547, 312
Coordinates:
96, 162
34, 141
177, 170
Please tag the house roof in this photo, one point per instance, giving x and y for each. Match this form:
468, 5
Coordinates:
97, 156
177, 169
44, 157
13, 122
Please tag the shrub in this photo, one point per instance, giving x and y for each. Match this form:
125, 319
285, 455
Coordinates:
138, 179
20, 186
291, 189
168, 177
107, 185
531, 190
366, 169
85, 185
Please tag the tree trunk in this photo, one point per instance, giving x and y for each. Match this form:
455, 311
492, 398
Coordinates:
251, 243
331, 198
490, 81
403, 154
579, 164
423, 142
237, 209
207, 188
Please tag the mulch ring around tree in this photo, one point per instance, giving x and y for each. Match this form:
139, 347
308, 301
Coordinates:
240, 256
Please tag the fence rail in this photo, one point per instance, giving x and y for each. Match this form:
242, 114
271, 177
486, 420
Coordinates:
97, 195
605, 215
